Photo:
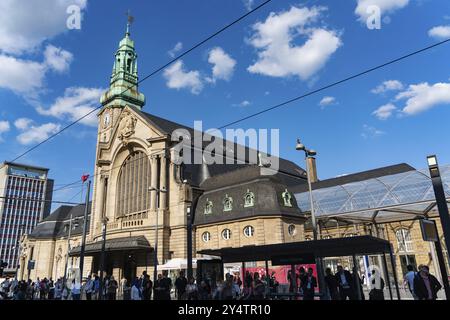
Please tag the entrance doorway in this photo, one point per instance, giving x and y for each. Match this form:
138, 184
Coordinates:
129, 268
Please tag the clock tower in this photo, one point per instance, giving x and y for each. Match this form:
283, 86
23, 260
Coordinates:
123, 87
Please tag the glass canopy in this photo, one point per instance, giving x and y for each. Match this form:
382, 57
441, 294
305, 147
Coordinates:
397, 197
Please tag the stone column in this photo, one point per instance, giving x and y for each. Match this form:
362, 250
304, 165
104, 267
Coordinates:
154, 182
163, 183
100, 190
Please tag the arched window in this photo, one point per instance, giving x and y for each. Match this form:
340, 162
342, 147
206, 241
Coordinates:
226, 234
249, 231
404, 240
206, 236
133, 184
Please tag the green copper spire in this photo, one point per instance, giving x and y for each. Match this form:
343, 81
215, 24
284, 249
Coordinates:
124, 76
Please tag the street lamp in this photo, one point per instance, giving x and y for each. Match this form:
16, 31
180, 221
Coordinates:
68, 248
102, 256
20, 250
155, 251
309, 153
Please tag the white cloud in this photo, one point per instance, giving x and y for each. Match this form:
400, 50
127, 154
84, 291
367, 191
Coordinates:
248, 4
23, 123
36, 134
386, 7
76, 102
4, 127
25, 24
440, 32
223, 65
326, 101
57, 59
21, 76
423, 96
244, 103
278, 56
371, 132
384, 112
177, 48
178, 78
389, 85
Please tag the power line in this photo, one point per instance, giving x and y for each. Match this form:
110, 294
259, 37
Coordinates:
146, 77
316, 91
39, 200
336, 83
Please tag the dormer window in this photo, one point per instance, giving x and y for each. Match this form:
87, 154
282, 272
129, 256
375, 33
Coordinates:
208, 207
287, 198
228, 203
249, 199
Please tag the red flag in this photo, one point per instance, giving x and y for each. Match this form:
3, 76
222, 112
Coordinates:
84, 177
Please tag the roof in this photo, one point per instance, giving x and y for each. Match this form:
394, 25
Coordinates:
385, 198
359, 176
361, 245
53, 226
267, 190
117, 244
8, 163
192, 171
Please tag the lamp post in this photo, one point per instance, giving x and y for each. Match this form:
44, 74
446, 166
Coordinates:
102, 257
155, 251
20, 250
190, 223
308, 154
68, 249
83, 239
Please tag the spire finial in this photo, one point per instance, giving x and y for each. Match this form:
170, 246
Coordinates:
130, 20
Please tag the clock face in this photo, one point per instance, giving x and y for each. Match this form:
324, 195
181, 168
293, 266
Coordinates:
106, 119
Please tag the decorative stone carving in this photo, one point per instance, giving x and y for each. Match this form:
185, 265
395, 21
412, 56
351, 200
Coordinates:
126, 127
249, 199
208, 207
287, 198
227, 203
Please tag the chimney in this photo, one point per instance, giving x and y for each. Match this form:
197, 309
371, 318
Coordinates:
312, 169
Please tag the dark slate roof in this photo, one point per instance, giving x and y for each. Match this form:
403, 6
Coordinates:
266, 189
192, 172
117, 244
355, 177
53, 226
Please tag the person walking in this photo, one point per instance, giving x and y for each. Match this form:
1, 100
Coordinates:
332, 284
258, 287
166, 285
309, 284
426, 286
126, 290
191, 290
180, 286
345, 284
51, 289
377, 286
408, 280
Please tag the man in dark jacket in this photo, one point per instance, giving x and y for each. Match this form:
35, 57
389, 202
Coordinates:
180, 285
309, 284
426, 286
345, 283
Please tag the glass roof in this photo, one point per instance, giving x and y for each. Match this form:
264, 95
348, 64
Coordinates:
401, 196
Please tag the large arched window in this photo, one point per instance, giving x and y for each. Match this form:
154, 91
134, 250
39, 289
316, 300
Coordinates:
405, 243
133, 184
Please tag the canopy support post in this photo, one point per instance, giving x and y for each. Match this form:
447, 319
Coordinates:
386, 271
395, 273
356, 278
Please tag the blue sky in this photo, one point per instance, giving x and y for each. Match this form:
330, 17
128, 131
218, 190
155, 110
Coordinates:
49, 75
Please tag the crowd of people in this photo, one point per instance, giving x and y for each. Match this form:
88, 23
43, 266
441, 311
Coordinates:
342, 285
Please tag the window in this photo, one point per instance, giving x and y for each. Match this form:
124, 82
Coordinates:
133, 184
249, 199
208, 207
228, 203
292, 230
404, 240
206, 236
249, 231
226, 234
287, 198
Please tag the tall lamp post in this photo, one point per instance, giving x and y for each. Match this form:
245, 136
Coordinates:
20, 250
190, 223
68, 249
83, 239
155, 251
308, 154
102, 256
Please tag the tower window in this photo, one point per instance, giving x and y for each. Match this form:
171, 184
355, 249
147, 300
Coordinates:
249, 231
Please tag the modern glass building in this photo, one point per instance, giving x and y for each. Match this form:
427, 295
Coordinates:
25, 199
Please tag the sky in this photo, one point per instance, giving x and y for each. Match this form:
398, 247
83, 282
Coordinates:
51, 74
